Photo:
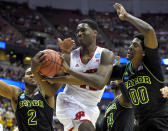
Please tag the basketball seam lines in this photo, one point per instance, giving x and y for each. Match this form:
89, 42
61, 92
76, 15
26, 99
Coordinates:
51, 66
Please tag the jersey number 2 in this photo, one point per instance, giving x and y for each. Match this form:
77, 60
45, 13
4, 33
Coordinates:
32, 116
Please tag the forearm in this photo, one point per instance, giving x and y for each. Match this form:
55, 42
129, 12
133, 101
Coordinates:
68, 79
117, 72
141, 25
3, 90
88, 78
66, 55
49, 89
147, 30
95, 80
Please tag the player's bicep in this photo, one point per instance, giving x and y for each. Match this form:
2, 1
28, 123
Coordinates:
8, 91
104, 69
151, 40
15, 92
106, 65
107, 61
107, 57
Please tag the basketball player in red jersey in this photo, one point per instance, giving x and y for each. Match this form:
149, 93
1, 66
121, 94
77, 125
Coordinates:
89, 69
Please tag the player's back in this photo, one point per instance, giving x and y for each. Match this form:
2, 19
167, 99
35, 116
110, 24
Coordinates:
33, 113
85, 93
118, 117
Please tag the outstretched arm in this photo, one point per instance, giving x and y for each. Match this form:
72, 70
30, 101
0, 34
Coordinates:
146, 29
8, 91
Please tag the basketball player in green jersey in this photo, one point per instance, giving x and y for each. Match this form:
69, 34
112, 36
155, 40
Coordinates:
143, 77
33, 106
119, 115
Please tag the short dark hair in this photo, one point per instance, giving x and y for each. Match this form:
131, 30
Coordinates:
92, 24
141, 37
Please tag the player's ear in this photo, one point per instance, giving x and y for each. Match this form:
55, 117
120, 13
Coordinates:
143, 53
23, 79
95, 32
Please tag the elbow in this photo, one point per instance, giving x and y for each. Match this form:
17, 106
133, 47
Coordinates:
149, 28
100, 84
102, 81
101, 87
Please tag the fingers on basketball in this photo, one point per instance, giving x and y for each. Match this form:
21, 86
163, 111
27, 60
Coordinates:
52, 64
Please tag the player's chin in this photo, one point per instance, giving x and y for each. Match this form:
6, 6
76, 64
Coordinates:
34, 83
29, 84
81, 41
31, 81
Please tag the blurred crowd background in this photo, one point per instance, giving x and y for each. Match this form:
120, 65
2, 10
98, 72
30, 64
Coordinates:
26, 28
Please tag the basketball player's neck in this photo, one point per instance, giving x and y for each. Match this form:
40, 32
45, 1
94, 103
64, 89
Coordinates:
116, 93
30, 90
136, 63
88, 49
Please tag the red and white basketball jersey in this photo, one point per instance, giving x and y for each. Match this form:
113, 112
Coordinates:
84, 93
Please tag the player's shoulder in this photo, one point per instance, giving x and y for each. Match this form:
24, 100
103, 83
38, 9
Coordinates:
107, 54
107, 51
16, 91
75, 51
16, 88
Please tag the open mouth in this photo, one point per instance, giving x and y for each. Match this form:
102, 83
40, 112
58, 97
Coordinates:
32, 81
80, 38
129, 53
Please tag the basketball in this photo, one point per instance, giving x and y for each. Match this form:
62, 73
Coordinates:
53, 63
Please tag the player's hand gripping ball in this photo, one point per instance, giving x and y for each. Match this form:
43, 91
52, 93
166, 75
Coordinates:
53, 63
